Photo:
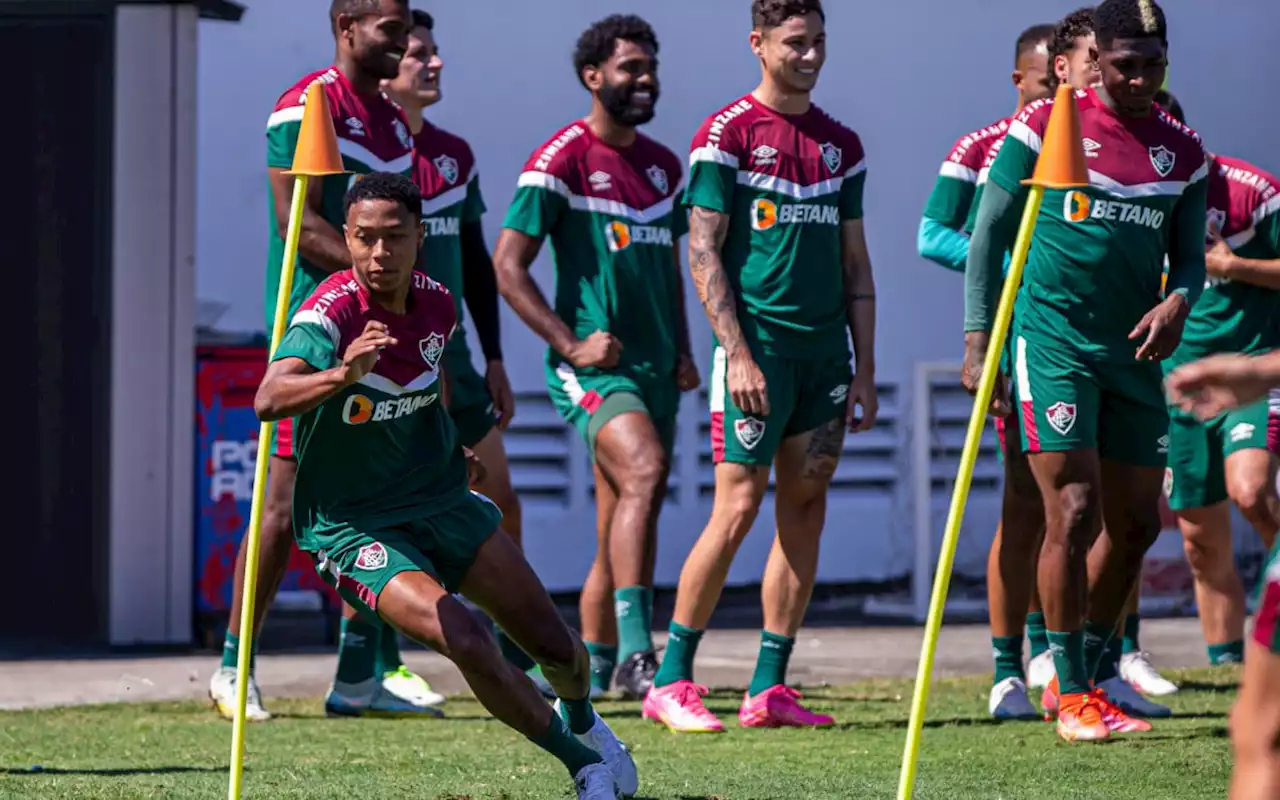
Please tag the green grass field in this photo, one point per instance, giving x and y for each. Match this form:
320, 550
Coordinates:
182, 750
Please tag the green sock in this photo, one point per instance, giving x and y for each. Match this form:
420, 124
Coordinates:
604, 658
1109, 666
231, 651
677, 661
1227, 653
578, 715
389, 659
1131, 633
559, 742
1095, 645
771, 662
1008, 655
648, 611
633, 627
512, 652
357, 650
1037, 639
1068, 661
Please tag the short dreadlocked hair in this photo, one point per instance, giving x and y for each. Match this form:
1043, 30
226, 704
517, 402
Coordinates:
1166, 100
596, 43
767, 14
1129, 19
384, 186
1029, 39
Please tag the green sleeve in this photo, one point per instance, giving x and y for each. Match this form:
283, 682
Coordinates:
540, 201
1268, 229
1186, 242
712, 180
851, 195
282, 137
950, 200
311, 338
994, 233
679, 222
971, 217
473, 207
1015, 163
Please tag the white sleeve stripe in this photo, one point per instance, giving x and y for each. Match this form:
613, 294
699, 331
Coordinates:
960, 172
1201, 173
1019, 130
284, 115
715, 155
860, 167
311, 317
542, 180
1272, 206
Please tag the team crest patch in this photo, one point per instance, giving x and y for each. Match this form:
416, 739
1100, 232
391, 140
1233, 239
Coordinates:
1162, 158
371, 557
447, 167
658, 177
431, 348
402, 133
1062, 417
749, 431
832, 156
1217, 219
1168, 482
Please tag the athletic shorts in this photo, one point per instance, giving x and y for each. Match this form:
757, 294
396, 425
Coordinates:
588, 400
1266, 632
1069, 403
1198, 451
470, 405
361, 562
803, 396
284, 439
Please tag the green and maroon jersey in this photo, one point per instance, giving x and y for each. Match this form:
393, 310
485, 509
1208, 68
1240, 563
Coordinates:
372, 137
1244, 207
444, 168
955, 191
787, 183
613, 223
382, 451
1096, 262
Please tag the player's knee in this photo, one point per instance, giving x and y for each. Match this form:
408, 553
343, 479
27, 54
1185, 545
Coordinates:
1250, 493
1255, 732
461, 637
557, 651
735, 510
1204, 553
1077, 507
644, 475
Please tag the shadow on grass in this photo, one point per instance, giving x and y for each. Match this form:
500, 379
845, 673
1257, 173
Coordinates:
954, 722
109, 773
1201, 686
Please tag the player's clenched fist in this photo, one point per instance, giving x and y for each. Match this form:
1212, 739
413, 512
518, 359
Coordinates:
600, 349
747, 388
362, 353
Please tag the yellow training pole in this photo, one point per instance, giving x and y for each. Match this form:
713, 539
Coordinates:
316, 155
1060, 165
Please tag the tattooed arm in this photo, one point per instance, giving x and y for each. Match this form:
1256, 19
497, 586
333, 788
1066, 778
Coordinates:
707, 231
860, 307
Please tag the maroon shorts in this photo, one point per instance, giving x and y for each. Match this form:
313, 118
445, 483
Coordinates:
284, 439
1273, 423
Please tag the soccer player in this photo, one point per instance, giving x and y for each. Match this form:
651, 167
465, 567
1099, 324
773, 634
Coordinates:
381, 497
943, 241
1226, 460
454, 253
618, 342
372, 135
778, 255
1092, 327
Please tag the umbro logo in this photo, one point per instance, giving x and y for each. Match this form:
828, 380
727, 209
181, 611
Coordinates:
764, 155
1091, 148
600, 181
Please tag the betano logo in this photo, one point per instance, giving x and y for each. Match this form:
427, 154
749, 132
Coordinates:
1078, 207
765, 214
620, 235
359, 409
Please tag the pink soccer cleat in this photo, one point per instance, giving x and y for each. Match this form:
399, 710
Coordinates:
778, 707
679, 706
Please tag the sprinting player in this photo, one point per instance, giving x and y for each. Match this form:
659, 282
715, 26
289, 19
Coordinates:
777, 252
1226, 460
381, 497
372, 135
455, 254
943, 241
1091, 329
618, 342
1208, 388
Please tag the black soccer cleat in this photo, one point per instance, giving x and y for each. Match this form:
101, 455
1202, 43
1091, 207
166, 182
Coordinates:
635, 674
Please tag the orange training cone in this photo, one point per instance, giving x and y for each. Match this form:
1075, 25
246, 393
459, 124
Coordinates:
1061, 162
317, 153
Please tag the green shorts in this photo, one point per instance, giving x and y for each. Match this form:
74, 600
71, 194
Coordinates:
1068, 403
362, 562
470, 405
1198, 451
803, 396
588, 400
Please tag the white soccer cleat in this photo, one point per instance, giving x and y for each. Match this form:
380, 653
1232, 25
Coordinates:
595, 782
602, 739
222, 691
1120, 693
371, 699
411, 688
1136, 668
1040, 670
1009, 701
